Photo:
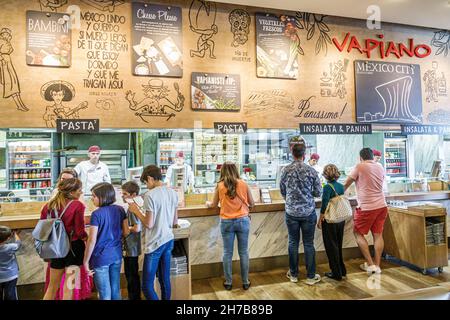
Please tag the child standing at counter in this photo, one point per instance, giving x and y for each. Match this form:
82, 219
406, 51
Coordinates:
104, 245
9, 270
132, 243
332, 233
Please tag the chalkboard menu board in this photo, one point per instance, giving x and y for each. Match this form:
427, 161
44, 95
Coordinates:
276, 47
49, 41
388, 92
157, 40
215, 92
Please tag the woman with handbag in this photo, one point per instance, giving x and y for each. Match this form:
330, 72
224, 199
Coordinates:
235, 200
67, 205
332, 233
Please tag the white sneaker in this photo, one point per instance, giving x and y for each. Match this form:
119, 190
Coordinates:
314, 280
290, 277
369, 269
378, 270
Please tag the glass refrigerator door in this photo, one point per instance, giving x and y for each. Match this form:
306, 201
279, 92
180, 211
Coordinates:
29, 164
395, 154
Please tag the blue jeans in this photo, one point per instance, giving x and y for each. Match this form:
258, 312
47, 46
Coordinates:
230, 228
307, 225
107, 281
157, 261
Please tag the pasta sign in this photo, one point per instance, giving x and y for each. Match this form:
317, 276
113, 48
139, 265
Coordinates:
385, 49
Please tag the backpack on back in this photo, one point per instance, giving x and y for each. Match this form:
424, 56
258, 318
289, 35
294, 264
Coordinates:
50, 237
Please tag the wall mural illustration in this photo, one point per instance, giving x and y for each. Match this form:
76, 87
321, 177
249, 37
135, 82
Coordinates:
314, 24
52, 5
441, 41
202, 20
104, 5
156, 102
240, 26
57, 92
105, 104
9, 82
268, 101
435, 83
332, 83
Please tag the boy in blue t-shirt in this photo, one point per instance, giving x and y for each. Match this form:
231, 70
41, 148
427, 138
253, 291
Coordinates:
9, 270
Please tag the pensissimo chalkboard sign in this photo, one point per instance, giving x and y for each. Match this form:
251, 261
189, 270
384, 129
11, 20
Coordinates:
388, 92
215, 92
157, 40
335, 128
49, 40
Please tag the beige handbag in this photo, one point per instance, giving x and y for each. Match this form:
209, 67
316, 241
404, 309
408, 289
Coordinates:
339, 208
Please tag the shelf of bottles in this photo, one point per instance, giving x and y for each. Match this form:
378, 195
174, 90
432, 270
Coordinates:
395, 157
168, 150
29, 165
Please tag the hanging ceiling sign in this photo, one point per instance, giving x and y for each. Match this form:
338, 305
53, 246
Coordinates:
335, 128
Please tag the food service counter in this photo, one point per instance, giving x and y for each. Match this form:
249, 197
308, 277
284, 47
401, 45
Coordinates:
268, 234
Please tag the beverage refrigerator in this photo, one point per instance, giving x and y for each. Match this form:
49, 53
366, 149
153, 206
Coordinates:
395, 155
29, 164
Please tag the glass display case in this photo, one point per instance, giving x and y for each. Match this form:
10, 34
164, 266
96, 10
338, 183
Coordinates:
169, 143
211, 151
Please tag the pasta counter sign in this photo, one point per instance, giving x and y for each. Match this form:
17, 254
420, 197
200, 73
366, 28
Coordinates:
77, 125
327, 128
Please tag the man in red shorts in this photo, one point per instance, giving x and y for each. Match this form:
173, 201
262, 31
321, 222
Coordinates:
372, 208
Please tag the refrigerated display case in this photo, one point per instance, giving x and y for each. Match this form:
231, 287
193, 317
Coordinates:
211, 151
29, 162
395, 155
169, 143
116, 160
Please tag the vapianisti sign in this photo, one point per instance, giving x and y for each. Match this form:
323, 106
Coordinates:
425, 130
388, 92
215, 92
77, 125
335, 128
230, 127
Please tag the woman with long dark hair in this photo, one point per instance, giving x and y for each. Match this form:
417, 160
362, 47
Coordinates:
235, 202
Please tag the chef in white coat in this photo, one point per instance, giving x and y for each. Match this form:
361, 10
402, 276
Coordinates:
92, 171
188, 173
314, 162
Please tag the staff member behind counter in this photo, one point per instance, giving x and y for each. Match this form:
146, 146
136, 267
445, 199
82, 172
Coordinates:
92, 171
188, 175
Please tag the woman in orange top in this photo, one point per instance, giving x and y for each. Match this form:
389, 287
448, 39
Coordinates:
235, 201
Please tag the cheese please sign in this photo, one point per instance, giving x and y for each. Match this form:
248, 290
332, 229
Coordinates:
386, 49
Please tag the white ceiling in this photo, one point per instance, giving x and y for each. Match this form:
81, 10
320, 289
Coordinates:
427, 13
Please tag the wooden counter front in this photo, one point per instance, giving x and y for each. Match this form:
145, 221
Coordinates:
27, 221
